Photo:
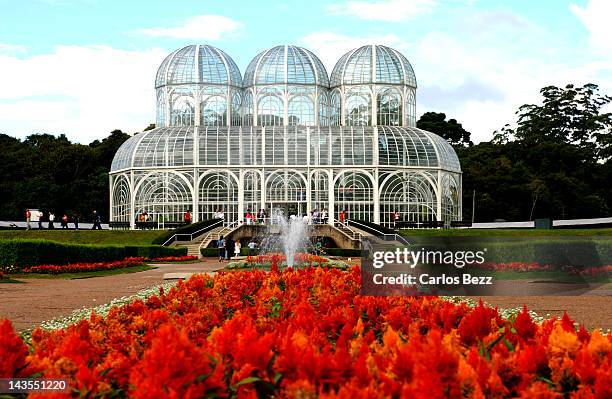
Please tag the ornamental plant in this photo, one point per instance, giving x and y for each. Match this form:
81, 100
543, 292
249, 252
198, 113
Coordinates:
308, 333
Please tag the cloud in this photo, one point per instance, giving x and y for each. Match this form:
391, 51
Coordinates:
329, 46
383, 10
81, 91
11, 48
201, 27
596, 18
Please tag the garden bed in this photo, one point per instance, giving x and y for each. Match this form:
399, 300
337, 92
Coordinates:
308, 332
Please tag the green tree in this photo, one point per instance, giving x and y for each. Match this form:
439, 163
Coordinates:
451, 130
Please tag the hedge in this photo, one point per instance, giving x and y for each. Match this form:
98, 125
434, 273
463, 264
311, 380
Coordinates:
345, 252
19, 253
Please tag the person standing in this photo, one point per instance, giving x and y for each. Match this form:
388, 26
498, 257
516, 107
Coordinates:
28, 217
229, 248
324, 216
75, 220
251, 246
237, 249
341, 217
51, 220
221, 247
396, 217
65, 221
248, 218
41, 215
96, 221
188, 217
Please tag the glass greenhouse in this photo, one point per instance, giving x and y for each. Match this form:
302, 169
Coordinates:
286, 136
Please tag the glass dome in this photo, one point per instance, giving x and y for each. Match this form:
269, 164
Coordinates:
373, 85
198, 85
286, 65
202, 64
286, 85
355, 67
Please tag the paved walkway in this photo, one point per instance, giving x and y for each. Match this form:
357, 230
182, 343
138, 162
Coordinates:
37, 300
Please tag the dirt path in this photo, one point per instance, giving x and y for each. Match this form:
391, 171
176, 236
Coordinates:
37, 300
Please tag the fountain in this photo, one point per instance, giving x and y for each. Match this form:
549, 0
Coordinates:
287, 234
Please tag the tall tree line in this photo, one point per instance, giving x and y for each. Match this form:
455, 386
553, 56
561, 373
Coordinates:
556, 161
51, 173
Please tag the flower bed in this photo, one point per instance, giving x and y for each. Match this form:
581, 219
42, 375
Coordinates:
308, 333
84, 267
91, 267
278, 260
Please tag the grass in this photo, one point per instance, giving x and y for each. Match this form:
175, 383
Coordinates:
100, 237
505, 232
80, 275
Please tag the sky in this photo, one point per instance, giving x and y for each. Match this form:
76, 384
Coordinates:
86, 67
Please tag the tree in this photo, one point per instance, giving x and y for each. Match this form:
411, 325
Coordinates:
567, 115
450, 130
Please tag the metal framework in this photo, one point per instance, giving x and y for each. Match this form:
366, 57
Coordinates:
288, 137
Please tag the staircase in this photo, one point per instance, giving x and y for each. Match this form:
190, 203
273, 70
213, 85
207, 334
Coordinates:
194, 247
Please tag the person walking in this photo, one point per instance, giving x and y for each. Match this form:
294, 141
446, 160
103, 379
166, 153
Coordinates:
396, 217
188, 217
341, 217
51, 220
41, 215
251, 246
65, 221
75, 220
221, 247
28, 217
237, 249
96, 221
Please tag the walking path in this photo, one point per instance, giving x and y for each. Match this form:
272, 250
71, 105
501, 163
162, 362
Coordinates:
37, 300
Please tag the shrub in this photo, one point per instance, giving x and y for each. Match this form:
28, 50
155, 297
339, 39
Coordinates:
343, 252
19, 253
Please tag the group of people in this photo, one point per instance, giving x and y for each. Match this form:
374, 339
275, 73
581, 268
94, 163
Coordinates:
65, 219
256, 217
229, 248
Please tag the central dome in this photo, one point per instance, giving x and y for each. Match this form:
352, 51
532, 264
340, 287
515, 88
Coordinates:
286, 65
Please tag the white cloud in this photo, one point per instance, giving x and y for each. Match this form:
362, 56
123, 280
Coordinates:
329, 47
11, 48
82, 91
201, 27
596, 18
384, 10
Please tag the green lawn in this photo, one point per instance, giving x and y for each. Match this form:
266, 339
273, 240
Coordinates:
101, 237
506, 232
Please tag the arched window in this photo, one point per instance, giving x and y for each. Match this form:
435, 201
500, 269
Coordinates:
409, 194
165, 197
410, 108
218, 193
236, 108
301, 111
213, 111
270, 111
323, 109
248, 109
354, 194
389, 106
121, 200
252, 192
183, 110
358, 109
334, 109
161, 109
